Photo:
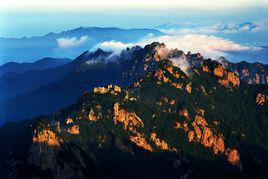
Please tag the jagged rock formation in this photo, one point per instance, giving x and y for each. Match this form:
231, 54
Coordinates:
261, 99
46, 136
111, 88
166, 124
226, 77
252, 73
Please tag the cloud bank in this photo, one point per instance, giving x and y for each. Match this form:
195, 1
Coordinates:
208, 45
226, 28
71, 42
115, 46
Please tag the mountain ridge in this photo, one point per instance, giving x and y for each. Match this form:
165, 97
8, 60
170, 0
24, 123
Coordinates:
166, 123
41, 64
48, 44
79, 75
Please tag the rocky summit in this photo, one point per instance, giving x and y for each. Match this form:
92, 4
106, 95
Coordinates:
196, 119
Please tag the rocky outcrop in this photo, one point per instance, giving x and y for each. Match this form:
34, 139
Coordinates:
173, 72
161, 76
205, 68
252, 73
188, 88
206, 135
232, 155
226, 77
131, 122
140, 140
74, 130
46, 136
261, 99
219, 71
231, 77
69, 120
110, 88
91, 115
129, 119
161, 143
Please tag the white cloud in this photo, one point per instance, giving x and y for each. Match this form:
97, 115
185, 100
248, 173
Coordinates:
176, 29
115, 46
208, 45
92, 62
182, 63
71, 42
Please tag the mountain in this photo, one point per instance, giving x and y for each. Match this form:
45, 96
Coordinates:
13, 84
76, 76
252, 73
169, 122
53, 89
42, 64
68, 43
259, 54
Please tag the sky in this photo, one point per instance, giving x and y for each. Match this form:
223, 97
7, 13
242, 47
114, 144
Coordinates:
115, 4
216, 25
20, 18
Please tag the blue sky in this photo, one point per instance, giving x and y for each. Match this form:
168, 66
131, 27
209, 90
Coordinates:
216, 22
35, 17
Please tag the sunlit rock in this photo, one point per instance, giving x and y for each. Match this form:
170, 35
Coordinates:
74, 130
261, 99
233, 78
188, 88
219, 71
91, 115
46, 136
232, 156
69, 121
140, 141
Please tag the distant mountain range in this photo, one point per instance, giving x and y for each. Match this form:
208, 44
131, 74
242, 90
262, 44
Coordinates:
258, 55
174, 115
36, 92
58, 44
42, 64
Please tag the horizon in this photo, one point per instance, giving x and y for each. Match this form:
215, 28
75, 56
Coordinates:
239, 26
131, 4
18, 23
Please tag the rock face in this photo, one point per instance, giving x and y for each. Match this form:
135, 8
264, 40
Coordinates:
74, 130
261, 99
91, 115
252, 73
69, 121
219, 71
46, 136
226, 77
233, 156
161, 143
203, 133
231, 77
110, 88
131, 122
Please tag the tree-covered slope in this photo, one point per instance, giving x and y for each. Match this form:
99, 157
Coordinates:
201, 123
